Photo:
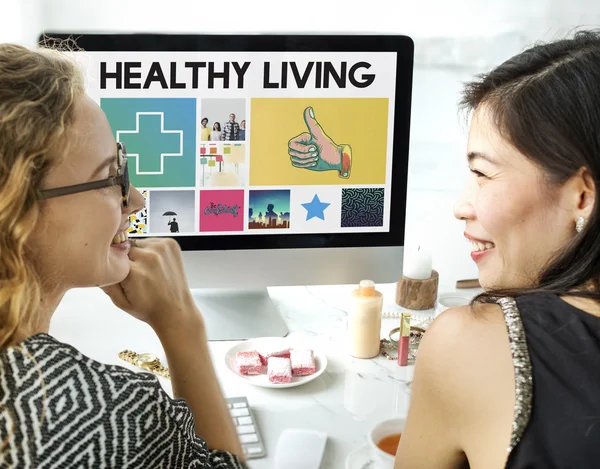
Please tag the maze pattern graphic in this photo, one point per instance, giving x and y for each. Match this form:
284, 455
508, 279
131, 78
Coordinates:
362, 207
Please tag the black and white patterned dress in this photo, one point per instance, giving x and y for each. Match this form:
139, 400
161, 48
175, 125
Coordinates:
60, 409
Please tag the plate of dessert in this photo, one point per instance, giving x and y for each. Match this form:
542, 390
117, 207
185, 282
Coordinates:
275, 362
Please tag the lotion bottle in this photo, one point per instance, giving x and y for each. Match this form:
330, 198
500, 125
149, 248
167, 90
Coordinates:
364, 321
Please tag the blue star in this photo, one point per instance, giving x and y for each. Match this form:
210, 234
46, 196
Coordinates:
315, 208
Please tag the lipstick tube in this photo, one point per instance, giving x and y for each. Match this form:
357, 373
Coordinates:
404, 341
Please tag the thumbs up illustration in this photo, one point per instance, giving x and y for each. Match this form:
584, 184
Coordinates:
316, 151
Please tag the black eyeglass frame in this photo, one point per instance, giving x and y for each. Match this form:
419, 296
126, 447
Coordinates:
122, 179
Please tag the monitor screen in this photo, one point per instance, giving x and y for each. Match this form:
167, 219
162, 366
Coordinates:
240, 142
273, 160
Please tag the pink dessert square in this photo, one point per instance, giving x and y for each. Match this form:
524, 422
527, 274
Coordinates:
273, 351
248, 363
303, 362
279, 370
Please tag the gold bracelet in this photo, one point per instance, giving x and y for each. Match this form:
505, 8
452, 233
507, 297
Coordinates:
146, 361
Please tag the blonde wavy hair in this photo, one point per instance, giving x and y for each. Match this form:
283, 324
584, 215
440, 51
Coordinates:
38, 89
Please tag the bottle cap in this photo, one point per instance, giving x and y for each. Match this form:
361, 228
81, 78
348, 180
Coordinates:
366, 287
405, 325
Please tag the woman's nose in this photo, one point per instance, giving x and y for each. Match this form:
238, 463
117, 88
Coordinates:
463, 208
136, 201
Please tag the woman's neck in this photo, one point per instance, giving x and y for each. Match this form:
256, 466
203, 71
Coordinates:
588, 305
585, 304
39, 321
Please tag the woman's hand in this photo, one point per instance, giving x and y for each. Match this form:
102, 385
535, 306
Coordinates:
156, 290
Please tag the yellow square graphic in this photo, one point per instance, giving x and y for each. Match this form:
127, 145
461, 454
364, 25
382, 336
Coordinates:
331, 126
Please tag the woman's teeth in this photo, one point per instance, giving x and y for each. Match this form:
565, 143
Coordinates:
477, 246
120, 238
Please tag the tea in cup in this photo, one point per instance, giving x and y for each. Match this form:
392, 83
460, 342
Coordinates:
383, 441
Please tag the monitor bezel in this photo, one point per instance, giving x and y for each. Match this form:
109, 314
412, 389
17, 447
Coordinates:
400, 44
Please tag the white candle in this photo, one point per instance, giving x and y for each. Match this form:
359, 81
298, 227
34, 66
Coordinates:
417, 263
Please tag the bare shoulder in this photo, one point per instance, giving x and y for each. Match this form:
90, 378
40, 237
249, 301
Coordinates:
462, 393
467, 351
464, 327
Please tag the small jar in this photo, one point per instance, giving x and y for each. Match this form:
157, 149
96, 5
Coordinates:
364, 321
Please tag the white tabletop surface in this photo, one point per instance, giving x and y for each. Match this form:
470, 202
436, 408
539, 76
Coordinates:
345, 402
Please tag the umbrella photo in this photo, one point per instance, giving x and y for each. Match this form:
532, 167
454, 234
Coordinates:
168, 214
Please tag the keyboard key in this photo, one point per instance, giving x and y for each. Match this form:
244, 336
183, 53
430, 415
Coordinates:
239, 405
239, 412
243, 429
254, 449
245, 421
250, 438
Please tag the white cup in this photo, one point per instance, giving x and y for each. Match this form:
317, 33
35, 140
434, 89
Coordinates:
380, 431
450, 300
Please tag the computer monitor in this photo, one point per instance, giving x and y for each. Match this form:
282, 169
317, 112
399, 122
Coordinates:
272, 159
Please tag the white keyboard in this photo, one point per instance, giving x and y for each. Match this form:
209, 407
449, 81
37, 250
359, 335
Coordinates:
247, 429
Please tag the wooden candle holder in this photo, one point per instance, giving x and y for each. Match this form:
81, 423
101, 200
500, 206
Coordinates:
417, 294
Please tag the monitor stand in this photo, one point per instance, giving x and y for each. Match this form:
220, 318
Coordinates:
239, 314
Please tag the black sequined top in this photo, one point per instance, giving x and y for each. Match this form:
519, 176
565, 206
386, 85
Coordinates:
556, 354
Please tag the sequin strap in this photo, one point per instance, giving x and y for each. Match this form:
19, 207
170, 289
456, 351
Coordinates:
522, 364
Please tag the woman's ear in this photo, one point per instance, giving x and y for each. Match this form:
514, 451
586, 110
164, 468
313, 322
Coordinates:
586, 187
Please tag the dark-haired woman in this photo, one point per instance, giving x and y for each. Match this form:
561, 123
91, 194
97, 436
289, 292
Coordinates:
513, 381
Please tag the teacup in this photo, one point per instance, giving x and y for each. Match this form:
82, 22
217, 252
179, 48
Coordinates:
449, 300
378, 432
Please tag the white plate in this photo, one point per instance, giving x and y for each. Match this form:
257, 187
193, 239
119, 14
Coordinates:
263, 379
361, 458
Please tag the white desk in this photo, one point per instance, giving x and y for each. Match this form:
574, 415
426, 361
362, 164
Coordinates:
344, 402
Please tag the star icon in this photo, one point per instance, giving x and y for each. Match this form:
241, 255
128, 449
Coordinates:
315, 208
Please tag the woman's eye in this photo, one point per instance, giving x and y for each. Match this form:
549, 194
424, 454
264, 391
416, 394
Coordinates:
479, 174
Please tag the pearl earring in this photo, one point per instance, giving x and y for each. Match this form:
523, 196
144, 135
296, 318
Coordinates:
580, 224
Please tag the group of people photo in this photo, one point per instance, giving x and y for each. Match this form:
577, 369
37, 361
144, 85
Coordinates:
231, 131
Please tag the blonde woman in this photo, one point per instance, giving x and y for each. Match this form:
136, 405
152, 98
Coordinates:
61, 172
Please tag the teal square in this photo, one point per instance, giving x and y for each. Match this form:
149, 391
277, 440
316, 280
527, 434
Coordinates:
160, 138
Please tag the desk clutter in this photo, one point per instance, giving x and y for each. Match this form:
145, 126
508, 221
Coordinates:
394, 348
364, 325
277, 362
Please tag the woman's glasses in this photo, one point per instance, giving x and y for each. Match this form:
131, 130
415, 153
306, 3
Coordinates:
121, 179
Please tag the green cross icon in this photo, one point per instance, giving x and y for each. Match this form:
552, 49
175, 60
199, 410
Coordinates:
150, 143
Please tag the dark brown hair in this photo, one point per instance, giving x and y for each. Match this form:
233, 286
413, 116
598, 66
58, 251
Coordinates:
546, 103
